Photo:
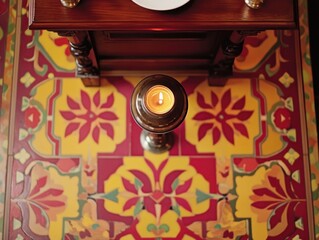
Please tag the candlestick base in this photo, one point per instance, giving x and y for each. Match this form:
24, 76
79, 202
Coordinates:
157, 125
157, 143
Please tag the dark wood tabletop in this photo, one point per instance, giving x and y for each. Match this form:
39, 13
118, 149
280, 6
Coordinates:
194, 15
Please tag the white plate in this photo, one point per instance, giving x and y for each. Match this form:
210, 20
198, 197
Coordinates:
160, 5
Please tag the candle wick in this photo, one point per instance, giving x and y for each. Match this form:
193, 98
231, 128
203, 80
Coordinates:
160, 98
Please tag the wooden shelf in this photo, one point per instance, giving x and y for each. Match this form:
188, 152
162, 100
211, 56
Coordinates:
195, 15
116, 34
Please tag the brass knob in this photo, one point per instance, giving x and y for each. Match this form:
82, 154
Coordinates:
70, 3
255, 4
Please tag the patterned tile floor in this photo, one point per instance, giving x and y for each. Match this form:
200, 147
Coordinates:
239, 168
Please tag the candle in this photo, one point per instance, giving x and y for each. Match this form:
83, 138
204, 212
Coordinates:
159, 99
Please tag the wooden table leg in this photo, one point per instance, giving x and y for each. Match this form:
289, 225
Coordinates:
86, 64
222, 67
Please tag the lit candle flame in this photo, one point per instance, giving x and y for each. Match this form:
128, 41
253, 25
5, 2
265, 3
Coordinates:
160, 98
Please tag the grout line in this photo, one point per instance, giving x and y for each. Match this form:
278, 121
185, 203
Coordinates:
305, 143
14, 80
10, 159
7, 199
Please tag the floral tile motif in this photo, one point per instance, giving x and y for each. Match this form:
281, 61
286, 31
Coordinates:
275, 203
238, 168
157, 196
40, 200
62, 121
221, 118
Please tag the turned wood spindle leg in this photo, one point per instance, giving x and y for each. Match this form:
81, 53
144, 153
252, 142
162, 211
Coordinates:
222, 67
86, 64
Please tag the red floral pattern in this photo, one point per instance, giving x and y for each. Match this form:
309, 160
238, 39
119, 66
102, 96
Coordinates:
158, 194
43, 201
62, 41
32, 117
90, 116
45, 67
281, 118
166, 196
277, 198
227, 121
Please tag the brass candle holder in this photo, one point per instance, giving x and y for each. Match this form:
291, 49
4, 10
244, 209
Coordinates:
158, 105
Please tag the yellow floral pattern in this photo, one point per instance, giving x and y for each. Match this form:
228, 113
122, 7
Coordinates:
46, 200
269, 198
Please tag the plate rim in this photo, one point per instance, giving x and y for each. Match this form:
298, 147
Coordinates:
147, 6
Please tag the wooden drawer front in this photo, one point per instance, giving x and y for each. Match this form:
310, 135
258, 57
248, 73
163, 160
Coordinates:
189, 45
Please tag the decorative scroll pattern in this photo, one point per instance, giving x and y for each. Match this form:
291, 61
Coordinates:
78, 172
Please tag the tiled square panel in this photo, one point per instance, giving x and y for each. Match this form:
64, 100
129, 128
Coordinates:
156, 195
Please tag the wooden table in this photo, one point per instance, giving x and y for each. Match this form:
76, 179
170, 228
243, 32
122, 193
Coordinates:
108, 35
